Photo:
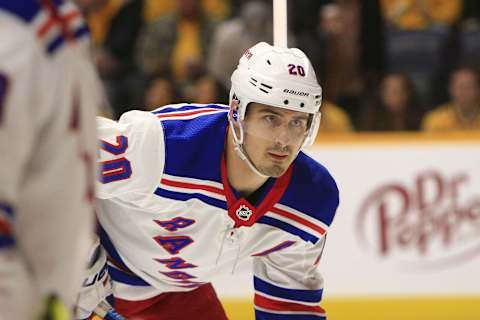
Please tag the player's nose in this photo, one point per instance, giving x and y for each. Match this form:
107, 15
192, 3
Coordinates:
282, 137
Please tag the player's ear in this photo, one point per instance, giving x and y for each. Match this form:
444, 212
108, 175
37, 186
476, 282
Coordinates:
234, 103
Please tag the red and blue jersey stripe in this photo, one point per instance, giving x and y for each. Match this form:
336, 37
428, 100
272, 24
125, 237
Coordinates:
55, 22
184, 188
59, 23
187, 111
6, 229
295, 222
274, 302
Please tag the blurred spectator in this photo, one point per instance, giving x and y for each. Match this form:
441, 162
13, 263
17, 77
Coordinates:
159, 92
421, 14
463, 111
155, 8
394, 106
233, 37
469, 35
303, 14
115, 50
339, 23
418, 40
115, 57
98, 14
371, 41
115, 25
334, 119
206, 90
346, 46
319, 43
177, 42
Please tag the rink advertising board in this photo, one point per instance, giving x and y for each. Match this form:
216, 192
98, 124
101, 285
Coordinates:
409, 219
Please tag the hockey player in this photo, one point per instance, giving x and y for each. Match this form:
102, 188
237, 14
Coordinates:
187, 191
47, 148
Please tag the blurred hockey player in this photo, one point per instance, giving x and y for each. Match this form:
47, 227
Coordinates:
48, 103
187, 191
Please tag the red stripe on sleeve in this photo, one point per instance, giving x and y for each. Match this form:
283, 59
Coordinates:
187, 185
5, 227
276, 305
184, 114
298, 219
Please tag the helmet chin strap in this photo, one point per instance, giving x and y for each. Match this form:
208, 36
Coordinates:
243, 155
240, 151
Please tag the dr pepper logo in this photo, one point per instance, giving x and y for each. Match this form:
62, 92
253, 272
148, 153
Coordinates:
432, 221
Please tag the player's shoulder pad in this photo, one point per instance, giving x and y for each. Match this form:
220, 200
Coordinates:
312, 190
131, 154
203, 127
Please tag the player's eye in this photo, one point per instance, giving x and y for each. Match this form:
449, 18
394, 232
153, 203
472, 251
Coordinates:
298, 123
272, 119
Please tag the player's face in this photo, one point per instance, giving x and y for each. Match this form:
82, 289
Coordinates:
273, 137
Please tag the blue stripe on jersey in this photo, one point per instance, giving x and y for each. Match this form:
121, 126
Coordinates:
188, 107
187, 196
123, 277
7, 209
6, 241
110, 248
57, 42
291, 294
288, 228
23, 9
262, 315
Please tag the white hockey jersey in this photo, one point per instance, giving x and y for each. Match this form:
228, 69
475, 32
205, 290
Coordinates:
171, 221
48, 99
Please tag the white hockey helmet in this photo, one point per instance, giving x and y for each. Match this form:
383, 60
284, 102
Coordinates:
279, 77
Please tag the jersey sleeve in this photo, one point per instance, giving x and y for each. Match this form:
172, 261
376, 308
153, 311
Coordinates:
131, 154
288, 285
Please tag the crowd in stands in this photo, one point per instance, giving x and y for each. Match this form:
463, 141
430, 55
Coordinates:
384, 65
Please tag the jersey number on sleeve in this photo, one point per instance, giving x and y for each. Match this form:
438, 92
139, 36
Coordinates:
116, 169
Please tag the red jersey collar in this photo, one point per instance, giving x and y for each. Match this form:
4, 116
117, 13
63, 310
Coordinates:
241, 210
